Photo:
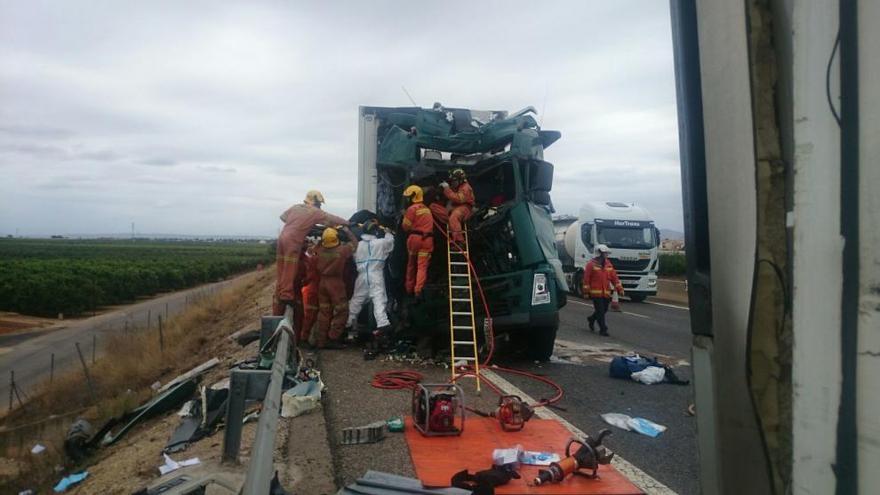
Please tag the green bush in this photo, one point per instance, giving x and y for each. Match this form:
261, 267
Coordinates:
672, 264
47, 277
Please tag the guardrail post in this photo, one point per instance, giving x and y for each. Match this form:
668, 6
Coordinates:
238, 383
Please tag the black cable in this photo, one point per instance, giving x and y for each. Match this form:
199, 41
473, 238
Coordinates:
828, 79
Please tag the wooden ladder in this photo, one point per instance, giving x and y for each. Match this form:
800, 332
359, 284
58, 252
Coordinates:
462, 329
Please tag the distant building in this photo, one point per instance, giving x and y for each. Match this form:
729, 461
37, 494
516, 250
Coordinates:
674, 245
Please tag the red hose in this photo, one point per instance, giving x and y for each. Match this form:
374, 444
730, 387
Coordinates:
401, 379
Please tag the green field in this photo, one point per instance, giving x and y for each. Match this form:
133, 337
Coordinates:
46, 277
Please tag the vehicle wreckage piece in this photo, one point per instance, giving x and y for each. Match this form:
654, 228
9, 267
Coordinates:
370, 433
203, 418
170, 399
379, 483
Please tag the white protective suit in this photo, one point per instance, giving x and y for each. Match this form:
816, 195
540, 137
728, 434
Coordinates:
370, 283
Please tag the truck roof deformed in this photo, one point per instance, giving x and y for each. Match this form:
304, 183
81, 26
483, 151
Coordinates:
510, 233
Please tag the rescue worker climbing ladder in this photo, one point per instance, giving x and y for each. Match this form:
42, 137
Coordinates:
298, 220
420, 241
332, 297
370, 258
309, 295
460, 197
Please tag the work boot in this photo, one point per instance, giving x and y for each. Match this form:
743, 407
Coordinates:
592, 323
604, 332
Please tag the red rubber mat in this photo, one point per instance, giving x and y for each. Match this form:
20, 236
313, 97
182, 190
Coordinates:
436, 459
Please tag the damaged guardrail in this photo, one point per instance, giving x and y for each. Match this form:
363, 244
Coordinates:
265, 385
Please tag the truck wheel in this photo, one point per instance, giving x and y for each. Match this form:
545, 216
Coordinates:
541, 342
637, 298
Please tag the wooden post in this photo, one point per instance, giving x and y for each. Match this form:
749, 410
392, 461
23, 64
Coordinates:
161, 336
52, 368
86, 372
11, 387
94, 346
149, 317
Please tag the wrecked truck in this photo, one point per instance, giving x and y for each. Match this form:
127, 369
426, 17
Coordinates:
510, 231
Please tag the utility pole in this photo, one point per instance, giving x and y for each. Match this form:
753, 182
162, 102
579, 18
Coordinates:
132, 230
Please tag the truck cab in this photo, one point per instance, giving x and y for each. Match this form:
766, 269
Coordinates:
629, 231
510, 231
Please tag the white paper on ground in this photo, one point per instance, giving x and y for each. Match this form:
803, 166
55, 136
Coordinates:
172, 465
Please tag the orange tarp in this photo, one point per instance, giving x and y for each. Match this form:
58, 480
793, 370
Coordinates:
436, 459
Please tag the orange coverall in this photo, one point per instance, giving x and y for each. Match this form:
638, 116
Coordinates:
332, 294
298, 220
309, 295
461, 202
419, 245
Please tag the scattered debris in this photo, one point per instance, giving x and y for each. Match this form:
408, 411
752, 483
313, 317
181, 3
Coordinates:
395, 424
247, 337
38, 449
370, 433
691, 410
506, 456
203, 416
69, 481
172, 465
170, 399
379, 483
301, 398
27, 492
198, 370
642, 369
639, 425
649, 375
77, 440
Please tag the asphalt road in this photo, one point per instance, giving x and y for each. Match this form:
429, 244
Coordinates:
29, 354
581, 367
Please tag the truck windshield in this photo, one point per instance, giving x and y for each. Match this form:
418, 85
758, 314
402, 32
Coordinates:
626, 237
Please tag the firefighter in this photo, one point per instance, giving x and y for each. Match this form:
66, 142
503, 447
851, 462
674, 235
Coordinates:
298, 220
599, 276
460, 202
375, 246
419, 226
309, 295
332, 257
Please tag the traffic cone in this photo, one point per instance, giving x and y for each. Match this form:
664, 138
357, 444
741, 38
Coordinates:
615, 302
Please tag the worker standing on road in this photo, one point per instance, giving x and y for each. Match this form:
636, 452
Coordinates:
298, 220
460, 202
332, 298
375, 246
309, 295
599, 276
418, 225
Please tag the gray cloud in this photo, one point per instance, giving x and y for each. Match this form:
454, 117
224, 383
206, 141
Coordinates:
227, 113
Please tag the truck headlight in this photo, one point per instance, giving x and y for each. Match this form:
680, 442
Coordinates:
652, 282
540, 289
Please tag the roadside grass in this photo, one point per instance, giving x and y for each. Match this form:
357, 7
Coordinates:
123, 374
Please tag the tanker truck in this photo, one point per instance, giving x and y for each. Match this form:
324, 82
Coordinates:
510, 231
627, 229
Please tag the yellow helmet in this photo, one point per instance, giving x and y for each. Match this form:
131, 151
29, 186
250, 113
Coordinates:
330, 238
314, 196
416, 192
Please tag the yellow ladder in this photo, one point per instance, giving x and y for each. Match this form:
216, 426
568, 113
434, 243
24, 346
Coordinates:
462, 329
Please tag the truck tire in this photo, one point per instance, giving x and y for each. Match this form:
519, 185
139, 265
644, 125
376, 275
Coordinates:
541, 342
637, 298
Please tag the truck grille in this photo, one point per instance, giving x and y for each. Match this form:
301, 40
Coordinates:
630, 266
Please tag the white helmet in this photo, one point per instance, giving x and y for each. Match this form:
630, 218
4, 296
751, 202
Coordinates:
602, 248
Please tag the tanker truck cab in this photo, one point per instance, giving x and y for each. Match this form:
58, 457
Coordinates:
510, 231
629, 232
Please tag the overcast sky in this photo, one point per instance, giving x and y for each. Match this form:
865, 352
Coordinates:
213, 117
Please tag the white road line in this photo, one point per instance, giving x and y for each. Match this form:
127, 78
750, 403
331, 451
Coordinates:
641, 479
667, 305
624, 312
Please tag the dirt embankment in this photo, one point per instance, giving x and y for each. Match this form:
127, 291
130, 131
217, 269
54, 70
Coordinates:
122, 379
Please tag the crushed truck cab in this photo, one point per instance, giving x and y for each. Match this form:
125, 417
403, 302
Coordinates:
510, 231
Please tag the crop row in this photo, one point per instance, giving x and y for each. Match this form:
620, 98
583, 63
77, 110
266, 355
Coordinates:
73, 279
